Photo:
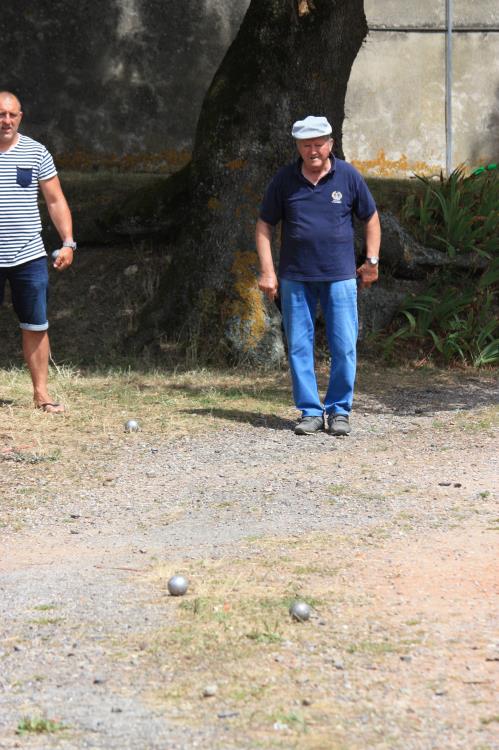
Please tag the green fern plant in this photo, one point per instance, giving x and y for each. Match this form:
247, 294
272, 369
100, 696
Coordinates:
459, 214
455, 319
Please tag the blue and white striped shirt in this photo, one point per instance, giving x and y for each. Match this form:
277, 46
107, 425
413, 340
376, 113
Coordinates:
21, 169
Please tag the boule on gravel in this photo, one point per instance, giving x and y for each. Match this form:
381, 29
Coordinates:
131, 425
178, 585
300, 611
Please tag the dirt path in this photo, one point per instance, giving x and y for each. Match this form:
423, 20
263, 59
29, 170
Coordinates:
392, 533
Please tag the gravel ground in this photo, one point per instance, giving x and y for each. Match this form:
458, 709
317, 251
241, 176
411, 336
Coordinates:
410, 490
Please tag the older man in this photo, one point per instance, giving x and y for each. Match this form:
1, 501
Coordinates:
26, 165
315, 199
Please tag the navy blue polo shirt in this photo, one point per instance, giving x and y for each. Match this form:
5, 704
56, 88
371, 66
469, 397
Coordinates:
317, 236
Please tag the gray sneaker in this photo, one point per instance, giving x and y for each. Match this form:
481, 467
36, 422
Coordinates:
338, 424
309, 425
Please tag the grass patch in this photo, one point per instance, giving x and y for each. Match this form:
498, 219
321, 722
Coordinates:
47, 621
490, 720
339, 489
269, 634
45, 607
374, 648
29, 458
39, 725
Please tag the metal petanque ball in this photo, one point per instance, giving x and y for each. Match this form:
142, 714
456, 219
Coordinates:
131, 425
300, 611
177, 585
55, 254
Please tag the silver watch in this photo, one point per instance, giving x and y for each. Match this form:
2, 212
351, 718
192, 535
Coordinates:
72, 245
373, 261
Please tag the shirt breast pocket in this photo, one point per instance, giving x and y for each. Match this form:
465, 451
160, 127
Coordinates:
24, 176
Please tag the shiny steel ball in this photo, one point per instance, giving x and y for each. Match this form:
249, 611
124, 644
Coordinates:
55, 254
131, 425
300, 611
177, 585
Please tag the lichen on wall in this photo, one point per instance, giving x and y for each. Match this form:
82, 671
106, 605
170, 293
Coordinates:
381, 166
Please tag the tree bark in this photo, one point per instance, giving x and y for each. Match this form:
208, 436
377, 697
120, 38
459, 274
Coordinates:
291, 58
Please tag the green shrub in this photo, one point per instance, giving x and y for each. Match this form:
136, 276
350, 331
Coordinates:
458, 214
455, 319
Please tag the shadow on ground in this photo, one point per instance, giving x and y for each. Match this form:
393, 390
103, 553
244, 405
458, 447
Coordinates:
256, 419
449, 391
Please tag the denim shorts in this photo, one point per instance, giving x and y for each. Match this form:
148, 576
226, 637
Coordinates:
29, 292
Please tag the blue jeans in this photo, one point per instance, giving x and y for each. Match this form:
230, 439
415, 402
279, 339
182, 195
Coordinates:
29, 292
339, 305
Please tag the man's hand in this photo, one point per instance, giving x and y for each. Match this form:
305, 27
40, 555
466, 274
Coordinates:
268, 284
267, 280
367, 274
64, 259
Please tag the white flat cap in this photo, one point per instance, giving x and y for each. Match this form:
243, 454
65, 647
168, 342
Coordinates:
311, 127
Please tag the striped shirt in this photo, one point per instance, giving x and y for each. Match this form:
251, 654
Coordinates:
21, 169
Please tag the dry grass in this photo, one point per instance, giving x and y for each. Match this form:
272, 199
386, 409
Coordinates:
81, 443
98, 405
274, 675
166, 404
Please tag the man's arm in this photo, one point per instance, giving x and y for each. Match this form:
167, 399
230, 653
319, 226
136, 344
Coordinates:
61, 218
372, 230
267, 281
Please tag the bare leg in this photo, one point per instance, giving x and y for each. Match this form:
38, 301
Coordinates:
36, 350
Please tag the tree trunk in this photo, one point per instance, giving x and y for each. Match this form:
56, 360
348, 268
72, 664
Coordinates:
291, 58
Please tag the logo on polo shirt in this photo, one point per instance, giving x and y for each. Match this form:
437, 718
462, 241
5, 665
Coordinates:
336, 196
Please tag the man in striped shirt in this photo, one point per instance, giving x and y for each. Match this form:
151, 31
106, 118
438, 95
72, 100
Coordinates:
25, 166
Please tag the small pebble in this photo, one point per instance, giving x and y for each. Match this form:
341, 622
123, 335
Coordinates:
279, 726
209, 691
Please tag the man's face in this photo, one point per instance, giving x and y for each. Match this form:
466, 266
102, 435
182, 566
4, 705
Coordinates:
315, 152
10, 119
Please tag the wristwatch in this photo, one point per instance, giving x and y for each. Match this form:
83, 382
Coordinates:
70, 244
372, 260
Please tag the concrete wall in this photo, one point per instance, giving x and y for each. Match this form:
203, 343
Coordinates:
123, 80
396, 121
120, 77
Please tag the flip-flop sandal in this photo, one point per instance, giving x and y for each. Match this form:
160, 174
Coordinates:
48, 406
